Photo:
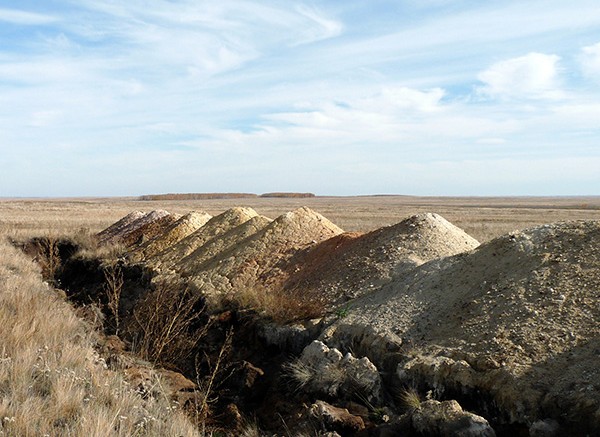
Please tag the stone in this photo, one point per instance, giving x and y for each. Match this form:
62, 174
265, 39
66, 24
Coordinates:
447, 418
338, 419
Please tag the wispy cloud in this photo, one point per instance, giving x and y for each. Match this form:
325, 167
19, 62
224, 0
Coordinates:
25, 18
431, 97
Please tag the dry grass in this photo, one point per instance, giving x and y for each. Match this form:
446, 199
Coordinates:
482, 217
276, 304
52, 382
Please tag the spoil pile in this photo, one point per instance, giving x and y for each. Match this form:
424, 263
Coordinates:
112, 234
258, 260
176, 232
515, 320
214, 227
147, 227
350, 265
196, 261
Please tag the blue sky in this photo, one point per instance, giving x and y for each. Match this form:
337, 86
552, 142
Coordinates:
424, 97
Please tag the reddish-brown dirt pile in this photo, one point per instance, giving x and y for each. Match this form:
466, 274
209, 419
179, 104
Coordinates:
352, 264
112, 234
214, 227
146, 228
183, 227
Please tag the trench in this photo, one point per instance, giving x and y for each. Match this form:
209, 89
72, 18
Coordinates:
250, 383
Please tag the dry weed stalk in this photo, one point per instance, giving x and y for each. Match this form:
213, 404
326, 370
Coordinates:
113, 286
202, 408
167, 324
282, 306
48, 256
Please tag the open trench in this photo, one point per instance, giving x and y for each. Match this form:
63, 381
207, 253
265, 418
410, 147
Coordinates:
239, 377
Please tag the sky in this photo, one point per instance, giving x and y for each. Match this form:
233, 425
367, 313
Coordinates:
418, 97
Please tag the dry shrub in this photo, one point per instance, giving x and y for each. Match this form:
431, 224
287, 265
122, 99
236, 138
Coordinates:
48, 256
282, 306
168, 324
113, 287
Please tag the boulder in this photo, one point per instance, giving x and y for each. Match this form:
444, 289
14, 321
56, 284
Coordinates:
338, 419
329, 372
447, 418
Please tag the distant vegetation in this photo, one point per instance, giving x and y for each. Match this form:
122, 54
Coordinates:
291, 195
197, 196
208, 196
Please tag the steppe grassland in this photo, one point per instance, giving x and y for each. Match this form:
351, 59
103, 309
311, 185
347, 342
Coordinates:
483, 218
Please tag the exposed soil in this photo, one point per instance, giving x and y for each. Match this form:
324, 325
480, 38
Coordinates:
510, 329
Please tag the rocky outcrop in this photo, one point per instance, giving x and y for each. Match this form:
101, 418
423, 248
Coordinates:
325, 370
434, 418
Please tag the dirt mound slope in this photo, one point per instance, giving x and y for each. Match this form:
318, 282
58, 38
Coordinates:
258, 261
176, 232
147, 227
195, 261
215, 226
353, 264
517, 319
112, 233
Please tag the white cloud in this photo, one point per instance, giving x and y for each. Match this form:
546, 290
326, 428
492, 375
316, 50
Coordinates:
590, 60
534, 75
24, 18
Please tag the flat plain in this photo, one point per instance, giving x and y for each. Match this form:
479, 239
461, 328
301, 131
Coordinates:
482, 217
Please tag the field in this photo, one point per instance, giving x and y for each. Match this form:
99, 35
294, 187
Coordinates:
482, 217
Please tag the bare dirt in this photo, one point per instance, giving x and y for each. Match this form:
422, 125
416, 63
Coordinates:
516, 319
257, 261
352, 264
214, 227
183, 227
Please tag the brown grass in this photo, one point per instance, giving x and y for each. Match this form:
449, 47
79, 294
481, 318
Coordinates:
52, 382
483, 218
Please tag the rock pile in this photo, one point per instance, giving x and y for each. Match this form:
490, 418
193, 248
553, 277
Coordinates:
510, 326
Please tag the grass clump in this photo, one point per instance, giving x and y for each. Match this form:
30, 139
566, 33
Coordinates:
410, 399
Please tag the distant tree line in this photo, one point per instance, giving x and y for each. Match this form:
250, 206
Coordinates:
207, 196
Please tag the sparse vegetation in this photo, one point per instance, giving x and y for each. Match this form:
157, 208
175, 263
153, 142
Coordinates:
279, 305
167, 324
48, 256
299, 373
113, 288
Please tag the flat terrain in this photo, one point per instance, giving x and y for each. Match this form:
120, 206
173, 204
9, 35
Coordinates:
482, 217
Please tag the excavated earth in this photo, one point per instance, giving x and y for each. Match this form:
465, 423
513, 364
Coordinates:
510, 329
